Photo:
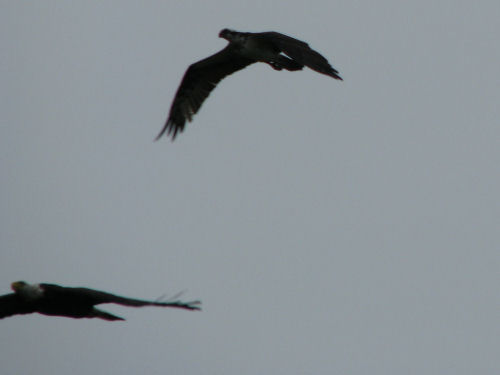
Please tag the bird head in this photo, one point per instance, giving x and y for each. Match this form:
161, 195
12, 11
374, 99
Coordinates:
224, 33
27, 291
17, 286
231, 35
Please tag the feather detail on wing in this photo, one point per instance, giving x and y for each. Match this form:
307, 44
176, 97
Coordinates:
96, 297
111, 298
198, 81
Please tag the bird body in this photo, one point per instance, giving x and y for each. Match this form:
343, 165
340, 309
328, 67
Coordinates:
278, 50
56, 300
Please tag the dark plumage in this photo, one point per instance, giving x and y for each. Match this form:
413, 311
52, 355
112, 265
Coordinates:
51, 299
278, 50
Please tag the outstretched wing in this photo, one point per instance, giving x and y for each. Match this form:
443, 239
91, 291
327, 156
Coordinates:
96, 297
198, 81
12, 304
300, 52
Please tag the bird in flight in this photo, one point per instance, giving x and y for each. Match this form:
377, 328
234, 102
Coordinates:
278, 50
51, 299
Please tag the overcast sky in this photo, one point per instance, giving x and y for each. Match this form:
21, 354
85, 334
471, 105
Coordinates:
328, 227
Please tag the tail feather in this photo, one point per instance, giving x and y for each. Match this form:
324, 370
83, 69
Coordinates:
318, 63
96, 313
283, 62
289, 64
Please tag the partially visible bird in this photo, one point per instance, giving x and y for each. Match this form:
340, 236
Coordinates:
51, 299
278, 50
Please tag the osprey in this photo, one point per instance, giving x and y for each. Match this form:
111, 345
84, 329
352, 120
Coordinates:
278, 50
51, 299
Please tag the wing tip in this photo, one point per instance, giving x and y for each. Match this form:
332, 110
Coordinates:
191, 305
334, 73
171, 129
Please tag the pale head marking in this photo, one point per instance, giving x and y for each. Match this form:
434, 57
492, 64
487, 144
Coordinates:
26, 290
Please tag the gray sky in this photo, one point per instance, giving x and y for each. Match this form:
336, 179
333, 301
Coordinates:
328, 227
